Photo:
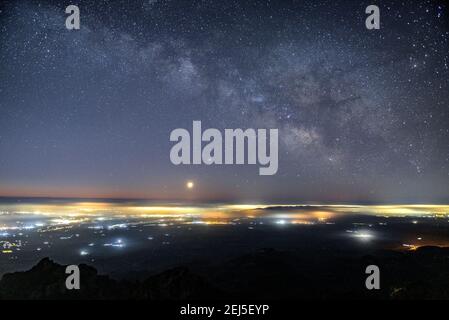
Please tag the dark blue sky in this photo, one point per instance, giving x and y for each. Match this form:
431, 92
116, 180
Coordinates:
363, 115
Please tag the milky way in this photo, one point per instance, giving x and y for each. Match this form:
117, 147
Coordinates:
363, 115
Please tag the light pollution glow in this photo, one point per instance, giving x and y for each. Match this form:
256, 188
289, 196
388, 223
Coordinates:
102, 217
292, 211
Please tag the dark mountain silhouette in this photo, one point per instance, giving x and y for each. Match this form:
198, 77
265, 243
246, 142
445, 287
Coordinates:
46, 280
265, 274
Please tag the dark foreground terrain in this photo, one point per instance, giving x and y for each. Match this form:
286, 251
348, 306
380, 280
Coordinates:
266, 274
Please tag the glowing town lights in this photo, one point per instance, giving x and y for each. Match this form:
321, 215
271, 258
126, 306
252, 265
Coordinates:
96, 227
198, 222
363, 235
114, 229
116, 244
62, 221
243, 206
302, 222
410, 247
117, 226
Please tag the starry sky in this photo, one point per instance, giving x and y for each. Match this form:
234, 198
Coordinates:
363, 115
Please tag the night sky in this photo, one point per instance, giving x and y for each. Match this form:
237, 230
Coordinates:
363, 115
